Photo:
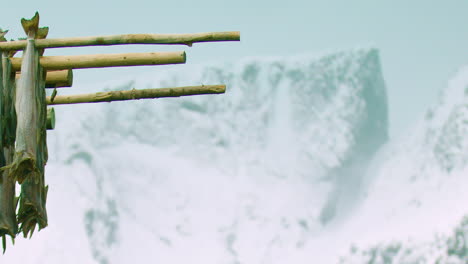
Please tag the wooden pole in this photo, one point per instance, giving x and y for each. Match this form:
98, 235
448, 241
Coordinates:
137, 94
106, 60
170, 39
56, 79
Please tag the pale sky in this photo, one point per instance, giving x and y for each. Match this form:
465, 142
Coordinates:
421, 43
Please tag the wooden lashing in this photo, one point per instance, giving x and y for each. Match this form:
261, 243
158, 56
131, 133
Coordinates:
24, 116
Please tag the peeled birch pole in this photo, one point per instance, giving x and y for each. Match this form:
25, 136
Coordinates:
137, 94
168, 39
106, 60
56, 79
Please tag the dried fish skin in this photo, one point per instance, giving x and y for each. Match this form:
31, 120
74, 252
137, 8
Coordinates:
24, 163
32, 209
8, 199
32, 205
8, 203
30, 154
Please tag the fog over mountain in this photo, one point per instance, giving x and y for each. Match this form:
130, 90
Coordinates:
292, 165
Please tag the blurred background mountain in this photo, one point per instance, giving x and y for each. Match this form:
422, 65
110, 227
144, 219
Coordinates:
356, 155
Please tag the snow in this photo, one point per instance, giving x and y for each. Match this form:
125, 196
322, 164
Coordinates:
291, 165
419, 185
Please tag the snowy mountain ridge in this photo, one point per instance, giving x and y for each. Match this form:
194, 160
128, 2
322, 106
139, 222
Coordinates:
291, 165
419, 192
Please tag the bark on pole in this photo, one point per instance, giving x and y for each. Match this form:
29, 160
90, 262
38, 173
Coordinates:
136, 94
106, 60
167, 39
56, 79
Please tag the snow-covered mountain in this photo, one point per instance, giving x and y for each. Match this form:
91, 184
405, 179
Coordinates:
418, 198
244, 177
291, 165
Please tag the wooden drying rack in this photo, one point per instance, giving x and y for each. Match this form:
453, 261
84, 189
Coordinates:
25, 117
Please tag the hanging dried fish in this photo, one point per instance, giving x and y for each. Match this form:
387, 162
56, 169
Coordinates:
31, 147
32, 205
8, 201
24, 164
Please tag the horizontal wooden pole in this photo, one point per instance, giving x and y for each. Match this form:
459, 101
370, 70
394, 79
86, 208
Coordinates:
137, 94
171, 39
56, 79
60, 78
106, 60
